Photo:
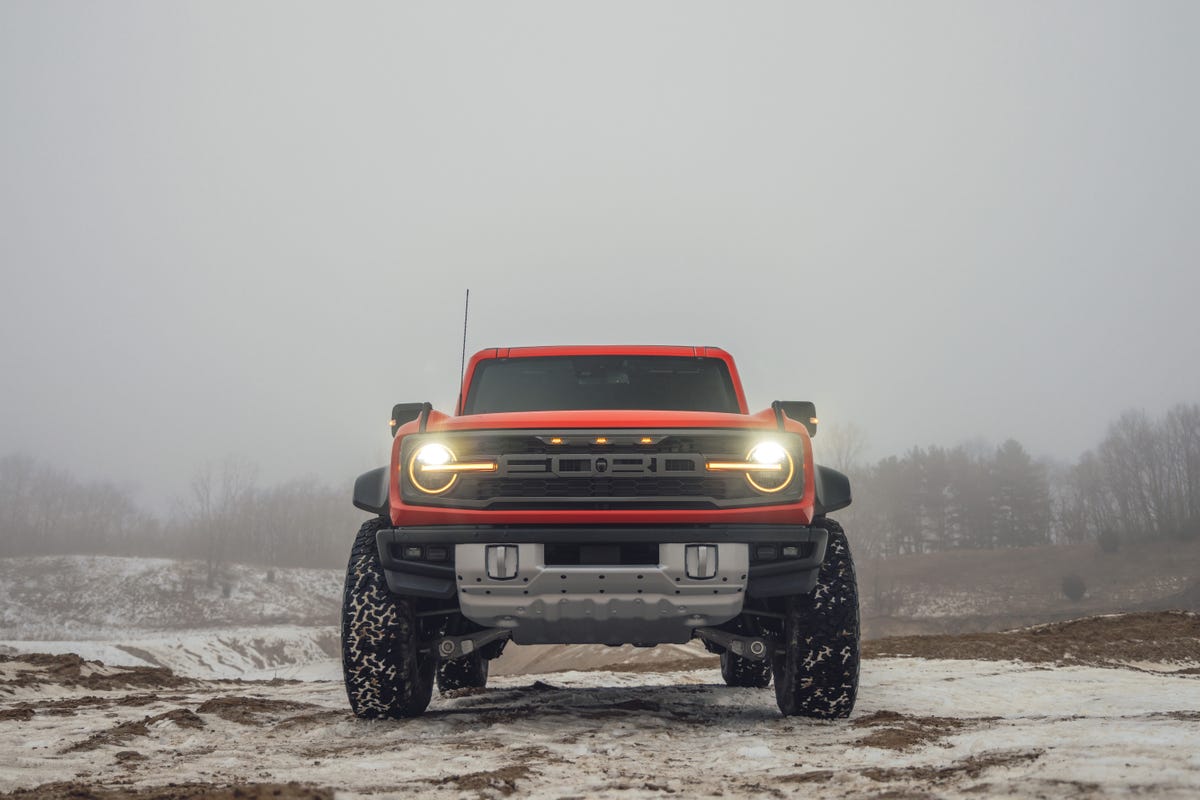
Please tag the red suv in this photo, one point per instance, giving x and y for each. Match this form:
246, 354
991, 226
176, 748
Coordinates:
610, 495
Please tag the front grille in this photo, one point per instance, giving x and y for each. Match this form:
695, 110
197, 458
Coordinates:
623, 472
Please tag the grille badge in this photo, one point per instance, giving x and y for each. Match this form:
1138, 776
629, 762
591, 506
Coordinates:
582, 465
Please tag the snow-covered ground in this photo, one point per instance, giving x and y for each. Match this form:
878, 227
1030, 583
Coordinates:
295, 652
82, 598
161, 612
240, 682
922, 727
252, 653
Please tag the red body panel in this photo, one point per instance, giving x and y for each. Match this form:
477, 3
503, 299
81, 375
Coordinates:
798, 513
634, 420
604, 350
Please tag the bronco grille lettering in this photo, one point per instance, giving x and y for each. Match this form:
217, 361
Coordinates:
579, 465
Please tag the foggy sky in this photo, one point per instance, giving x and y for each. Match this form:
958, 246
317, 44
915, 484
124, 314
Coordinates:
232, 228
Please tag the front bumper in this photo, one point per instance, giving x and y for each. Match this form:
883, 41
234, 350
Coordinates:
650, 601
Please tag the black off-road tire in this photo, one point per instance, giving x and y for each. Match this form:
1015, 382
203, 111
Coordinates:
468, 672
816, 667
739, 671
386, 674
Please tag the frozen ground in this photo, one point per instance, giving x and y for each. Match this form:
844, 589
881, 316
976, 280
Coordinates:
303, 653
929, 728
104, 597
252, 653
250, 706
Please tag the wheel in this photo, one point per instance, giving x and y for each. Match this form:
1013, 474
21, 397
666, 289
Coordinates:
468, 672
816, 668
738, 671
386, 673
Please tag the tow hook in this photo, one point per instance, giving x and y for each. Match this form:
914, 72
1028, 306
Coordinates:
754, 648
451, 647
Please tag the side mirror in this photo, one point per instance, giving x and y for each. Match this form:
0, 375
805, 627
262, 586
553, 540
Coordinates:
403, 413
803, 411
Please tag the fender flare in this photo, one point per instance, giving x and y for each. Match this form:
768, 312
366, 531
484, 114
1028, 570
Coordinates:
833, 490
371, 491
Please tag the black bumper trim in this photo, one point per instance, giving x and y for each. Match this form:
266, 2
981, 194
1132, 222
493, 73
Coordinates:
663, 534
777, 578
416, 578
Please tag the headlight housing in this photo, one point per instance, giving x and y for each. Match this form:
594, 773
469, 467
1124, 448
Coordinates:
776, 467
427, 468
434, 469
768, 467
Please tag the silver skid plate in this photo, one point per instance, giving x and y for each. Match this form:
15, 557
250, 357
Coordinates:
652, 604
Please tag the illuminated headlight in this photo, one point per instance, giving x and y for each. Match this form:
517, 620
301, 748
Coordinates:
424, 472
776, 467
768, 453
768, 467
433, 468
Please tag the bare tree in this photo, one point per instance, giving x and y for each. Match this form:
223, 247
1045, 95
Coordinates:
215, 505
1180, 432
17, 471
1021, 498
842, 446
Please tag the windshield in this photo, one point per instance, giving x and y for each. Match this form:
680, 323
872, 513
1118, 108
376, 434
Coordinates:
570, 383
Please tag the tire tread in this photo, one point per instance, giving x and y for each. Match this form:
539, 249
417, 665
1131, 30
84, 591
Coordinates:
385, 674
816, 674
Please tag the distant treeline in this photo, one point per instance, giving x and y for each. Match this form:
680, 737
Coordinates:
1143, 481
226, 517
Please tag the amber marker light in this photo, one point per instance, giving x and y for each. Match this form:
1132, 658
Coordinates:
461, 466
763, 459
556, 440
646, 440
601, 440
741, 466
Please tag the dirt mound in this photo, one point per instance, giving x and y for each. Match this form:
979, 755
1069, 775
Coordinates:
503, 780
1168, 637
894, 731
123, 732
69, 706
248, 710
924, 775
173, 791
69, 669
971, 767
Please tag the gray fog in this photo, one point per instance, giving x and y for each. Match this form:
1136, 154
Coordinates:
246, 229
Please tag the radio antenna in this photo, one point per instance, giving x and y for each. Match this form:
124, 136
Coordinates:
462, 370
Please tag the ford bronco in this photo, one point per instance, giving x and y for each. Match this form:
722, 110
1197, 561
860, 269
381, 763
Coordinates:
609, 495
